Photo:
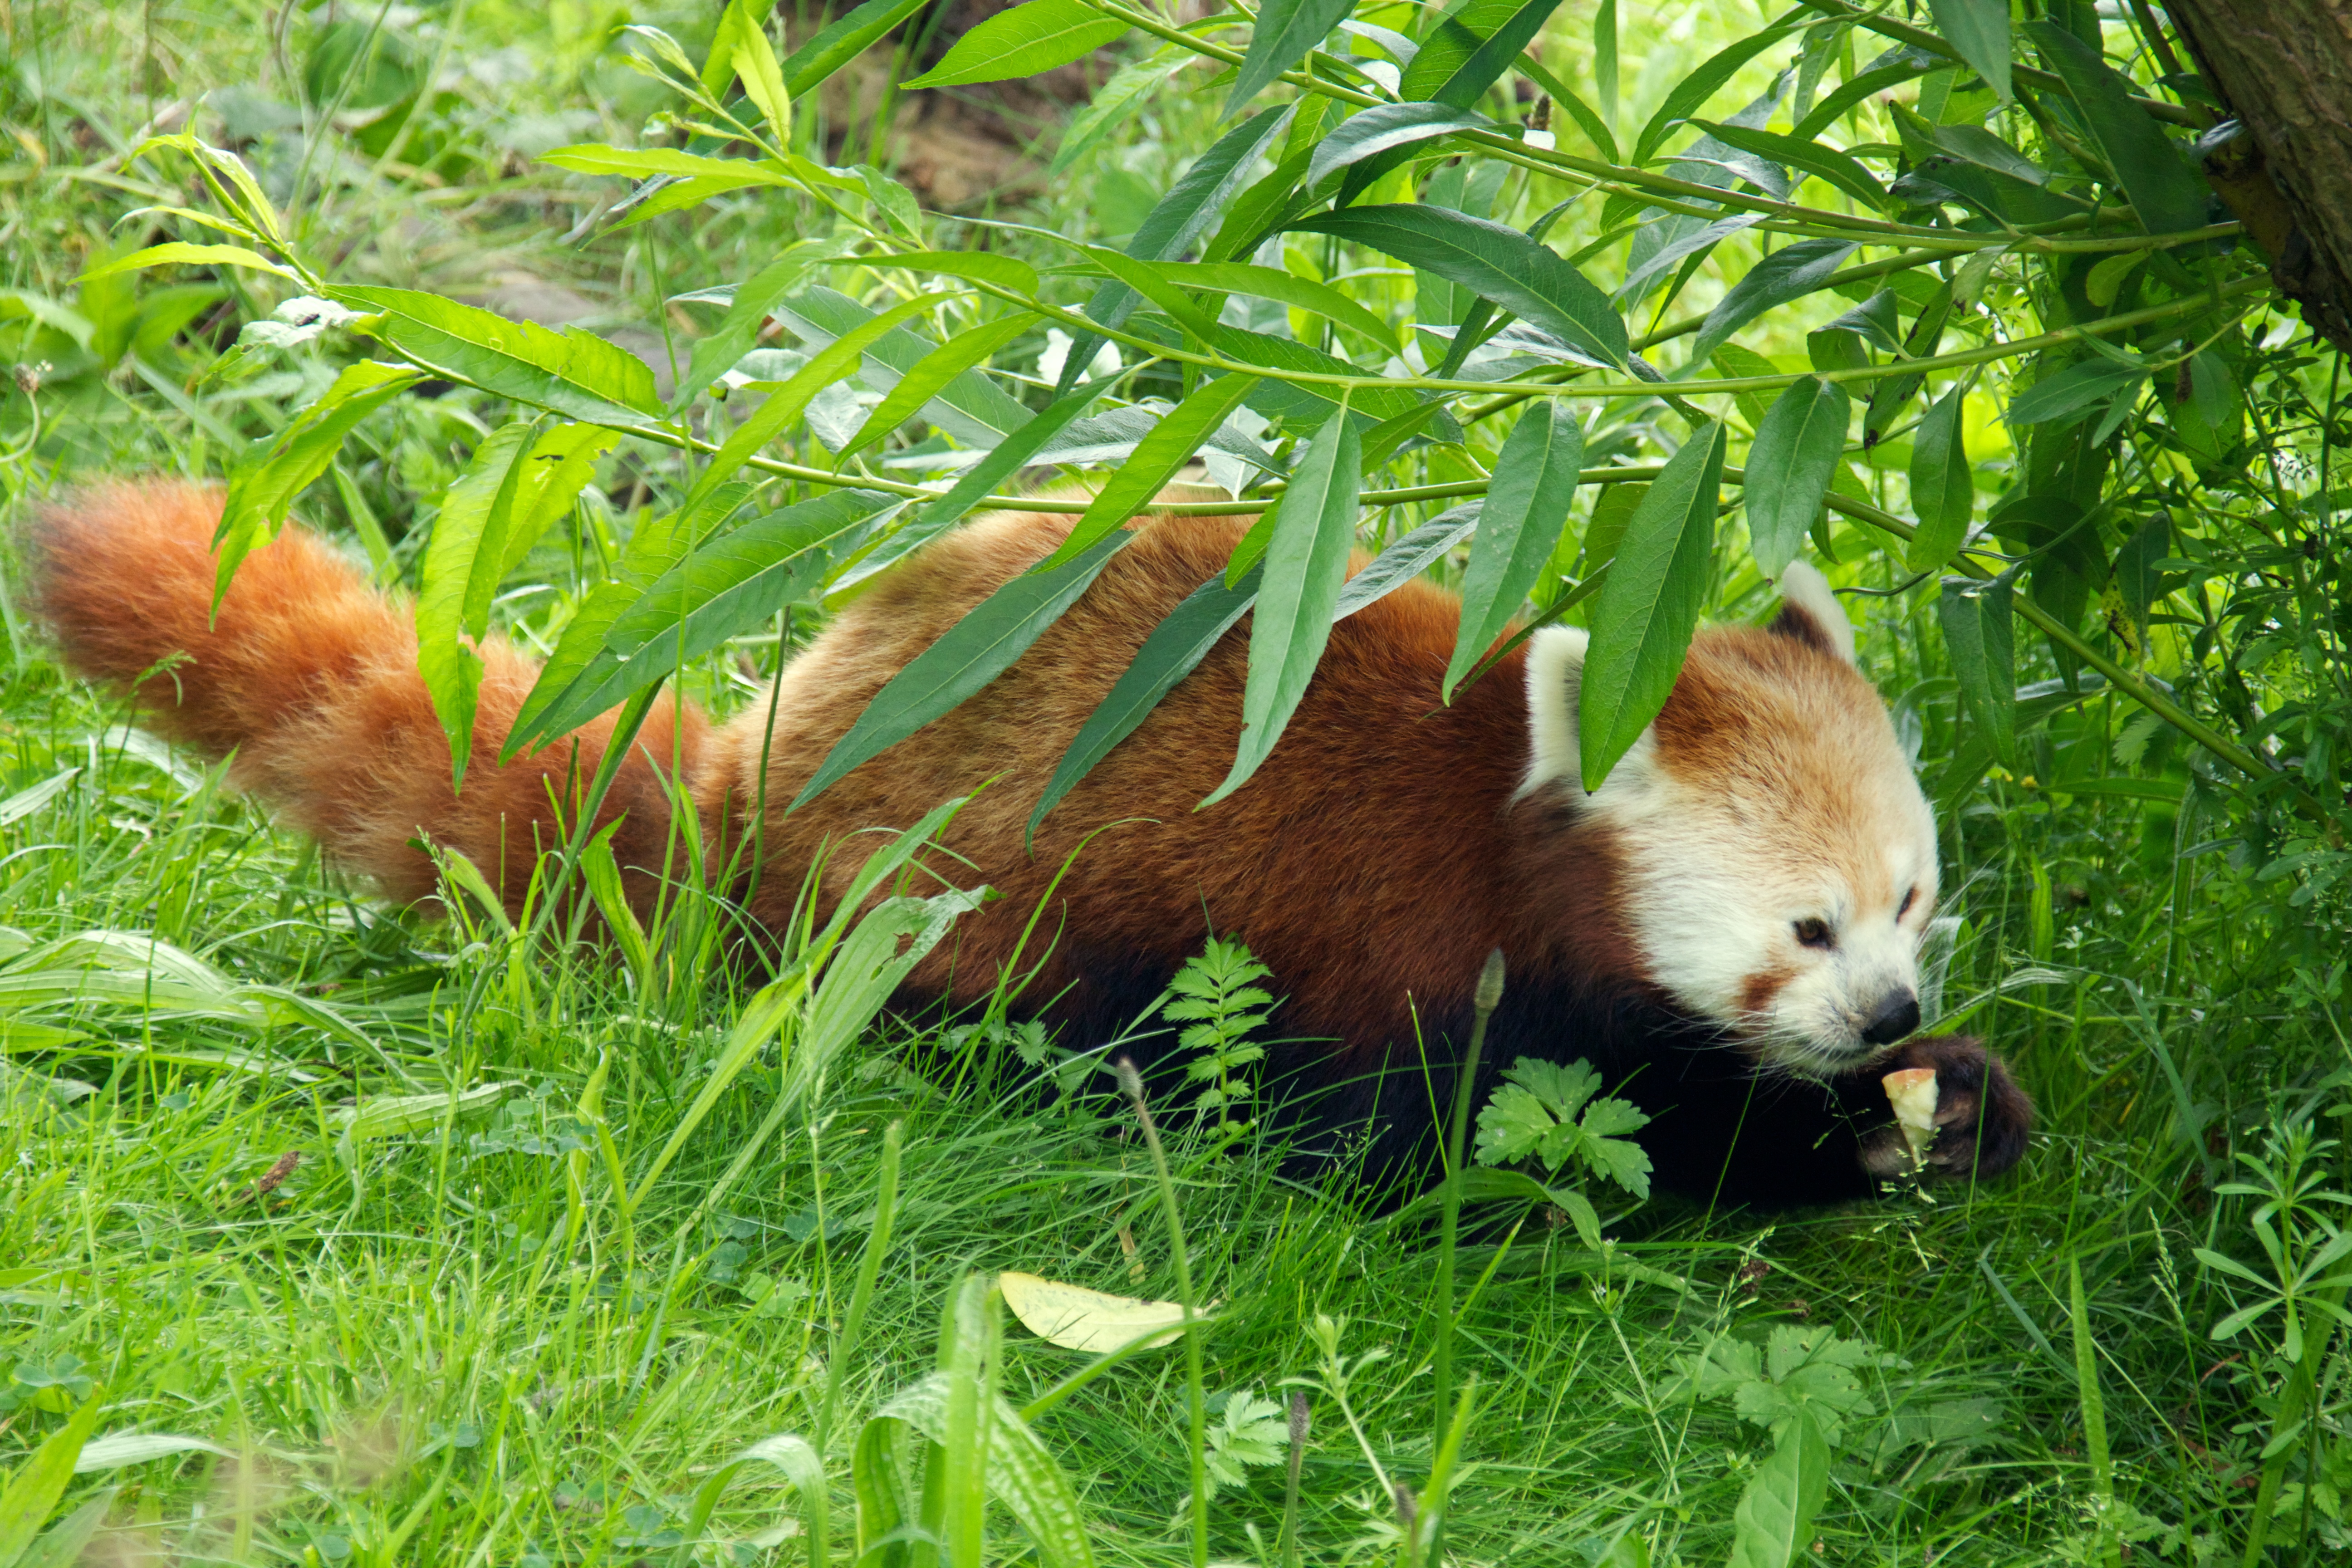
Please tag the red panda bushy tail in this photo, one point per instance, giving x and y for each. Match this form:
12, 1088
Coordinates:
310, 677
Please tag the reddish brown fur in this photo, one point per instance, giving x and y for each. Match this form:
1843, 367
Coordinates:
1378, 856
310, 678
1322, 860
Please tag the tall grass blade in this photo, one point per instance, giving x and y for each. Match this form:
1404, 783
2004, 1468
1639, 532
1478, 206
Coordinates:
869, 1269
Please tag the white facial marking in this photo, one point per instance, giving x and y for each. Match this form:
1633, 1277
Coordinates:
1820, 821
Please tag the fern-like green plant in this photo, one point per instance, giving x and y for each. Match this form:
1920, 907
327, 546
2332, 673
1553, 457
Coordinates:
1548, 1113
1217, 997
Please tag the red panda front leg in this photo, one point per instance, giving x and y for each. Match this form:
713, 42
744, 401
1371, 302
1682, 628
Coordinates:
1982, 1118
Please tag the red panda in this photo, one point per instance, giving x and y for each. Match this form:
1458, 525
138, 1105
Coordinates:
1728, 929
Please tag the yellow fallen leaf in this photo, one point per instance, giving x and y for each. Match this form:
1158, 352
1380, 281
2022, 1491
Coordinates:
1912, 1093
1081, 1319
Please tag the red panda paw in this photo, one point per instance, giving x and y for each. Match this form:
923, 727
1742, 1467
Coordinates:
1982, 1118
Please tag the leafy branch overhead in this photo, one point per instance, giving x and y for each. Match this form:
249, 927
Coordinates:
1946, 304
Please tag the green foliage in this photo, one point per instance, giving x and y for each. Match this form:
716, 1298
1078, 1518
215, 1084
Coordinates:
1250, 1432
1217, 997
508, 1235
1550, 1114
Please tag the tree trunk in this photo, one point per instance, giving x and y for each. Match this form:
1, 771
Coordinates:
2284, 70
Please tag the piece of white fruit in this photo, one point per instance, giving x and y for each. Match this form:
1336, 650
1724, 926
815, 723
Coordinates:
1912, 1093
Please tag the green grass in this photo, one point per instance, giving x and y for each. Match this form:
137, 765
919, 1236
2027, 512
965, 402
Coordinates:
454, 1337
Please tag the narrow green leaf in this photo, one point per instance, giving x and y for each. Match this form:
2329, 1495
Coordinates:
2087, 1393
1021, 1474
1773, 1525
63, 1544
934, 371
735, 18
737, 582
658, 544
548, 480
1007, 457
979, 266
1153, 463
1789, 273
1176, 220
645, 162
253, 206
762, 78
1387, 125
667, 193
448, 600
1144, 279
2166, 192
40, 1481
957, 1509
1605, 60
1407, 558
1902, 65
1176, 646
1647, 609
1306, 563
1595, 129
1128, 90
182, 254
747, 312
1692, 91
1285, 30
1484, 64
1466, 51
1979, 635
1789, 467
1834, 164
1518, 528
1943, 489
1284, 288
1893, 394
1302, 404
882, 1482
1493, 262
276, 468
785, 405
842, 40
802, 1467
573, 373
1024, 41
2073, 392
975, 651
2139, 575
971, 407
1980, 30
602, 872
733, 584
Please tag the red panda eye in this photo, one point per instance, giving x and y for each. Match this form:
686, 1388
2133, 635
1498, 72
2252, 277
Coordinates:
1814, 934
1908, 900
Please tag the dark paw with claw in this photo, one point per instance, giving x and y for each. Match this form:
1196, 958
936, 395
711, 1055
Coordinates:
1982, 1118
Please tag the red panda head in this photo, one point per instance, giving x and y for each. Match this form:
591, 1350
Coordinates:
1777, 859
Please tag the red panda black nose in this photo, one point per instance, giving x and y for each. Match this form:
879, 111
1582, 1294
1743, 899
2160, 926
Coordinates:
1897, 1015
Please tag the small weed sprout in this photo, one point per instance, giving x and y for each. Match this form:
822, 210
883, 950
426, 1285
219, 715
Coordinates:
1250, 1431
1548, 1113
1217, 996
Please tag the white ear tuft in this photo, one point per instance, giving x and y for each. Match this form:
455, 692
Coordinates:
1805, 596
1555, 673
1555, 751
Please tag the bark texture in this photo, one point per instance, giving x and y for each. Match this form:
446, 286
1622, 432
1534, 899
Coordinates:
2284, 70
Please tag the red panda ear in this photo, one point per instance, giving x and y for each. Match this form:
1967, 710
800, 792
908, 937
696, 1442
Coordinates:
1810, 614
